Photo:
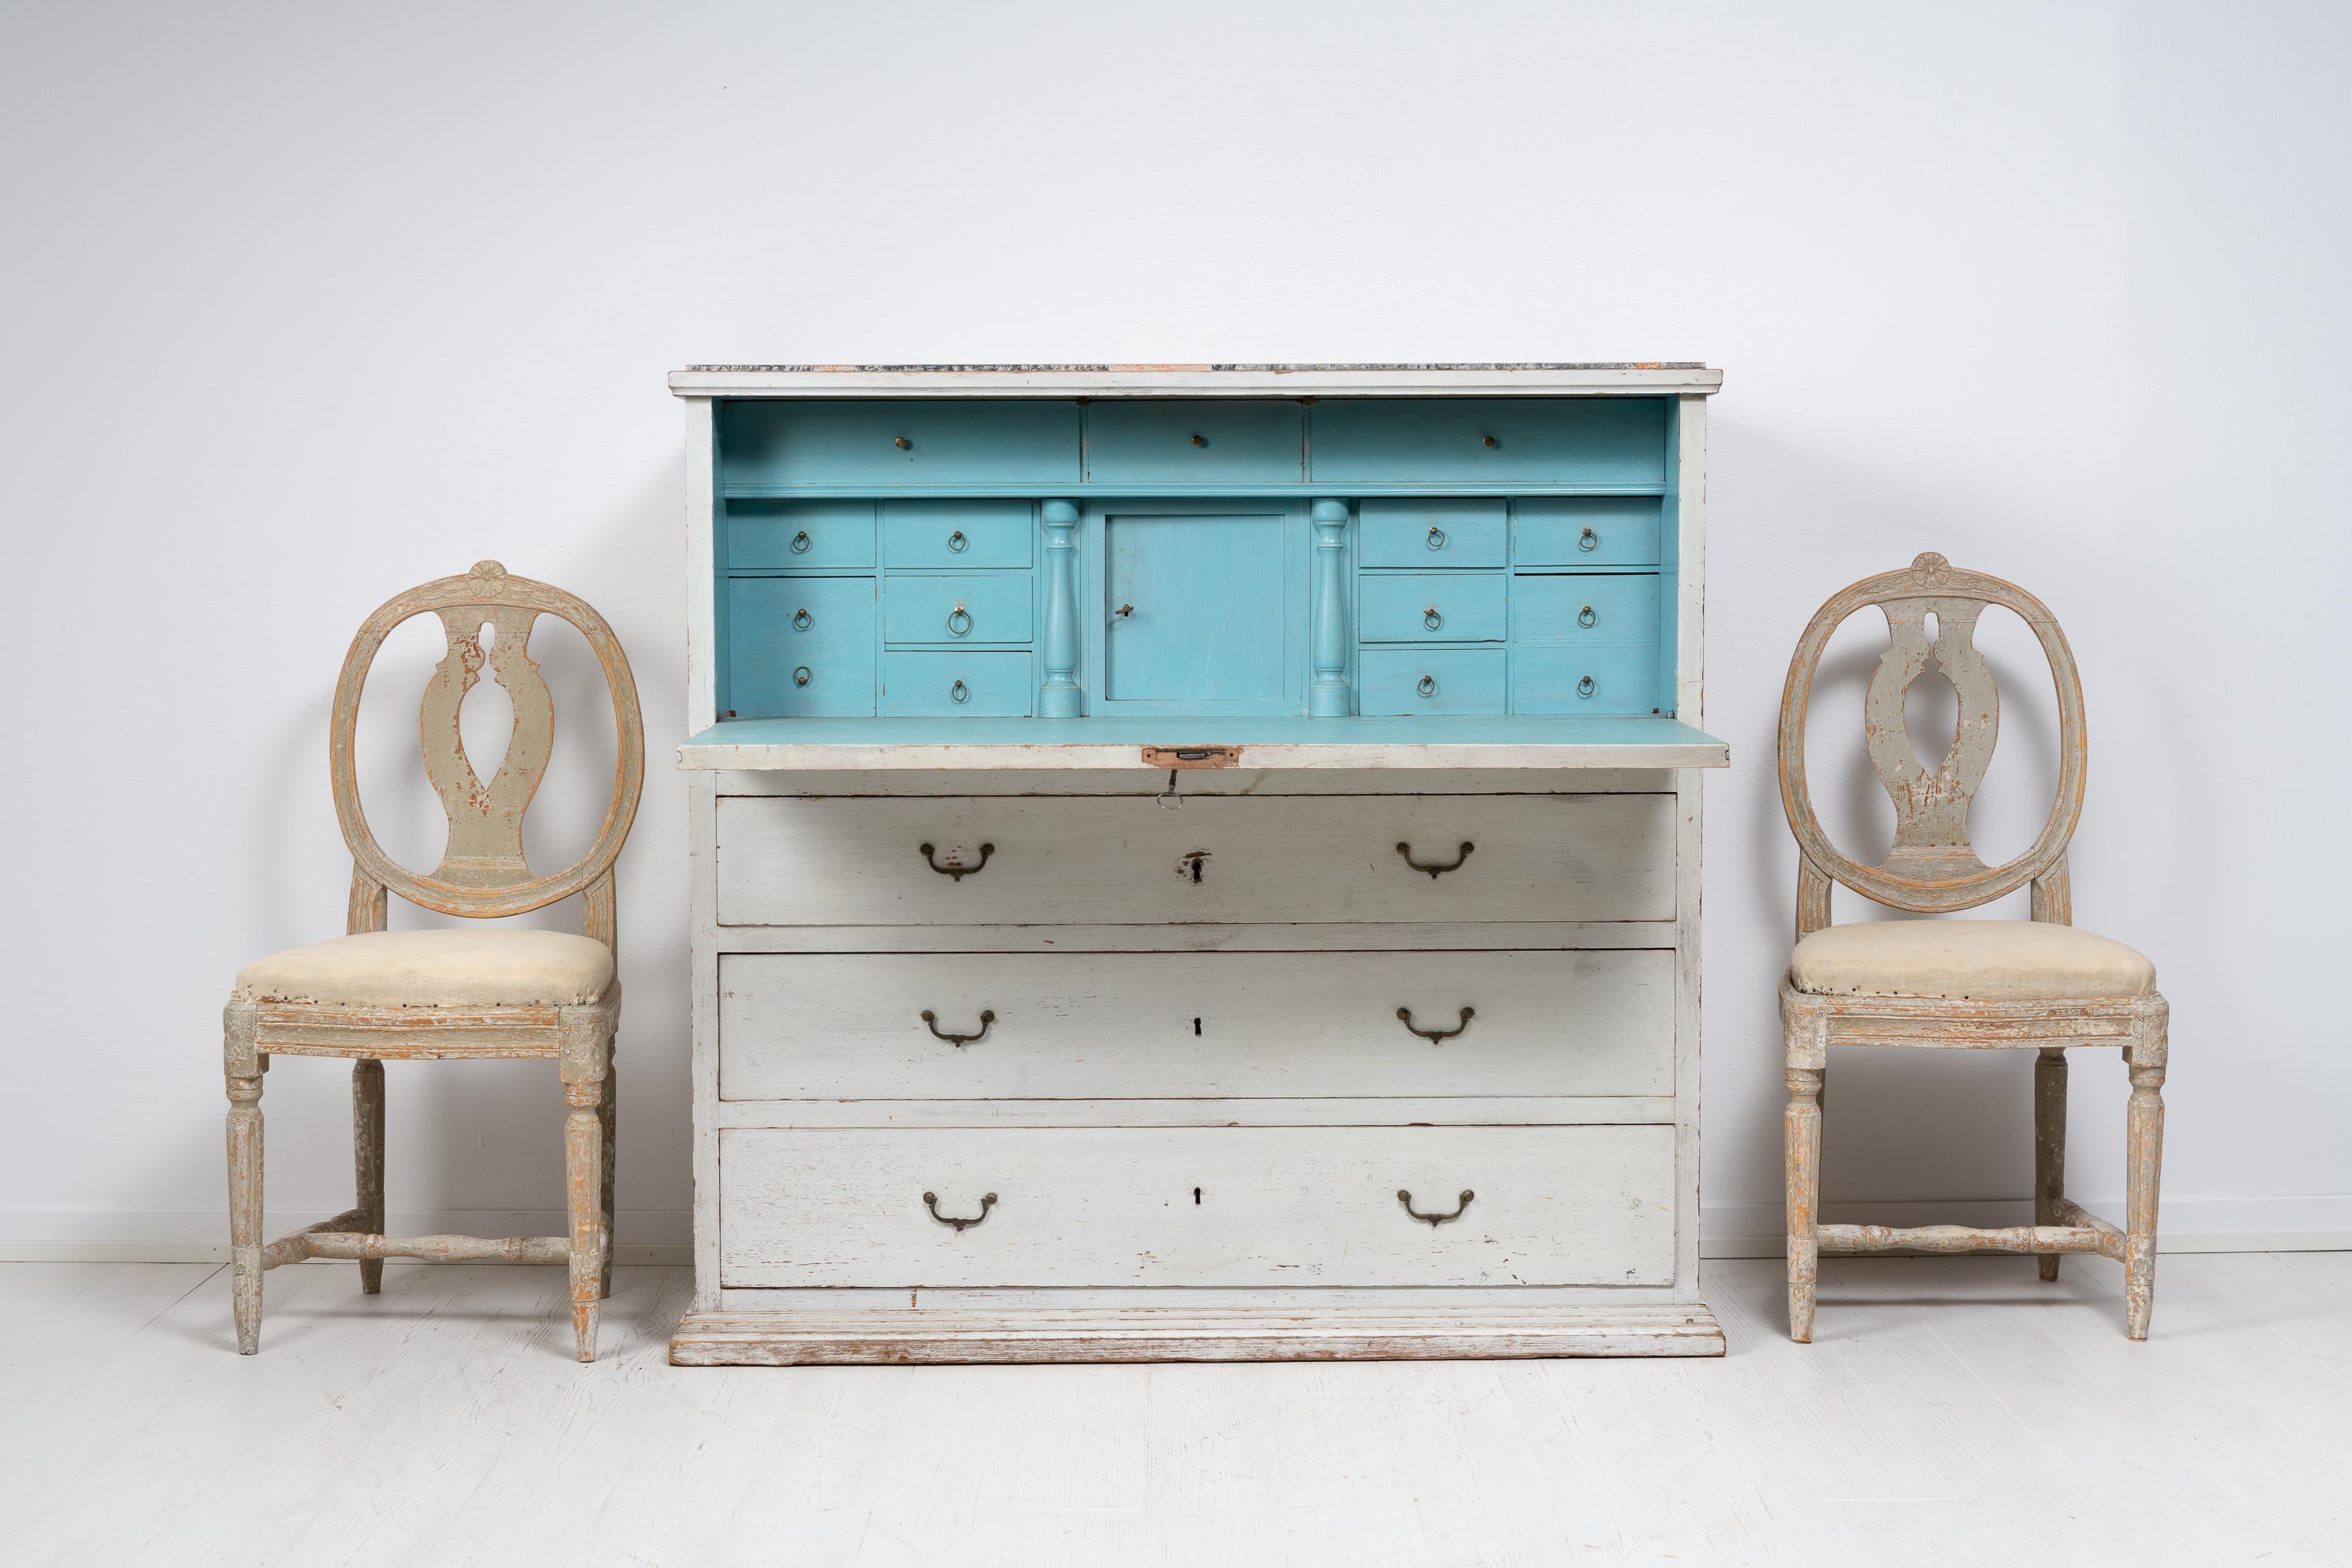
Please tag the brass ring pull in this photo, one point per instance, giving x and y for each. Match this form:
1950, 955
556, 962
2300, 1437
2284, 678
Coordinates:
956, 542
1588, 540
1587, 687
1426, 686
932, 1021
803, 620
958, 872
902, 443
1434, 869
801, 542
1435, 1037
1404, 1197
959, 692
1585, 617
800, 676
1431, 618
987, 1202
1437, 539
959, 614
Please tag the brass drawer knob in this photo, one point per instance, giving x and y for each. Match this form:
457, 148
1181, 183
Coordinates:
1437, 539
1585, 617
801, 542
1588, 540
956, 542
803, 620
902, 443
956, 615
802, 676
1426, 686
1431, 618
959, 692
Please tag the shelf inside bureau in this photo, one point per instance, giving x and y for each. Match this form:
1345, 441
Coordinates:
1468, 740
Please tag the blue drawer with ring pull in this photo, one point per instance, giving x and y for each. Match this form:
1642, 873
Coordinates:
989, 685
1431, 534
1616, 680
1432, 606
1577, 531
1431, 680
1584, 610
800, 536
798, 647
964, 607
949, 535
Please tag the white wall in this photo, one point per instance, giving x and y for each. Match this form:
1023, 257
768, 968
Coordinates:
307, 303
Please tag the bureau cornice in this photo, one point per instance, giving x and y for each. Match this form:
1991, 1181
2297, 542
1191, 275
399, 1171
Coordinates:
1195, 861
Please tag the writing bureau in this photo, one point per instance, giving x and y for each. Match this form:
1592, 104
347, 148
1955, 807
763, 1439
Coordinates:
1195, 862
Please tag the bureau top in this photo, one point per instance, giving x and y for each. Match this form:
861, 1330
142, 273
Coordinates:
1631, 378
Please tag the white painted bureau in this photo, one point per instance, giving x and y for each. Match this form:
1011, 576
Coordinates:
1195, 862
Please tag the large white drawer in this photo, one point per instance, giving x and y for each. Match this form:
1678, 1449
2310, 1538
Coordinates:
1091, 1026
1070, 861
1201, 1206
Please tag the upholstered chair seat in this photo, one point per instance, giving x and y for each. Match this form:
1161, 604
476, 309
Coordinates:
496, 968
1966, 961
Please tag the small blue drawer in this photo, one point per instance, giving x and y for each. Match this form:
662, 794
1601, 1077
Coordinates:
1496, 441
785, 444
801, 536
948, 534
969, 607
1431, 606
800, 646
1430, 533
1146, 441
1598, 680
1604, 609
1586, 531
933, 685
1430, 680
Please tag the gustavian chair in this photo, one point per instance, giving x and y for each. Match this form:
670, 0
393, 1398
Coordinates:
376, 994
2037, 983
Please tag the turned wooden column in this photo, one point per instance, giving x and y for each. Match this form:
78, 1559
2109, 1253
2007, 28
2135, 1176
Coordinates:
1328, 697
1059, 698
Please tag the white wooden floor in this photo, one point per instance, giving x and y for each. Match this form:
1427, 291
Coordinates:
1953, 1410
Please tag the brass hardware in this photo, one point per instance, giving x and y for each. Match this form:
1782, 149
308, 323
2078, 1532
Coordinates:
800, 676
803, 620
1426, 686
1124, 610
902, 443
987, 1202
1588, 540
1174, 757
956, 542
1431, 618
958, 613
801, 542
1434, 869
1435, 1037
1587, 687
959, 692
1437, 539
1404, 1197
1200, 440
986, 1018
958, 872
1487, 441
1585, 617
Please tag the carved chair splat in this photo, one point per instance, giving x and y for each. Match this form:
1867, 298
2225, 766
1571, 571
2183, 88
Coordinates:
1973, 984
375, 995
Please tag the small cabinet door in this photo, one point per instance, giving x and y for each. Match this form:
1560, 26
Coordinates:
1195, 609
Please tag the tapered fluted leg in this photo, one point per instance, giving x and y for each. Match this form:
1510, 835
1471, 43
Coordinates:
245, 1207
2049, 1143
2144, 1160
1804, 1174
610, 1115
367, 1161
583, 1159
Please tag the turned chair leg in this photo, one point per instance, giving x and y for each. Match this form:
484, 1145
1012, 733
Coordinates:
367, 1161
2144, 1161
2049, 1142
245, 1207
1804, 1174
610, 1115
583, 1157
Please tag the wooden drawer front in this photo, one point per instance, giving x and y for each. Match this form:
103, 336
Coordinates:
1586, 531
801, 536
1602, 610
1094, 1025
789, 444
1600, 680
1126, 862
800, 646
1427, 533
970, 609
1394, 680
949, 535
1150, 442
1432, 606
976, 684
1276, 1205
1500, 440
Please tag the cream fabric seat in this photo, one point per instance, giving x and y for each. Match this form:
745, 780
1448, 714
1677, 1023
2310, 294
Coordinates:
1965, 960
504, 967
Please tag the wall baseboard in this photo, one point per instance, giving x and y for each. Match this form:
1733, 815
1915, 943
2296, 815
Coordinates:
663, 1235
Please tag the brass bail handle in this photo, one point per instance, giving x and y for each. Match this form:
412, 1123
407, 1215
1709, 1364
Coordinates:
1433, 1219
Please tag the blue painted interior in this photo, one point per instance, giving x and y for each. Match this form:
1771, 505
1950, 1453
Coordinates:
1502, 558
